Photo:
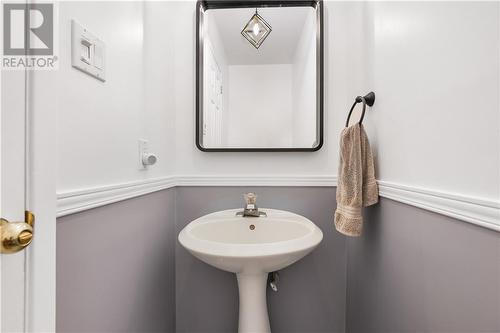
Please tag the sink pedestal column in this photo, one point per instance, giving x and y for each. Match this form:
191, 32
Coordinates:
253, 317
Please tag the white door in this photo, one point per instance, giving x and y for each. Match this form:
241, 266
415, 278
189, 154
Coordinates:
27, 183
12, 197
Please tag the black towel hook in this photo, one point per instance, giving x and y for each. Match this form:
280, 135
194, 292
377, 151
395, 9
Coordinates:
368, 99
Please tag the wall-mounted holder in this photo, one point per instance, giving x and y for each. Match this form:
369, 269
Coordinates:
368, 99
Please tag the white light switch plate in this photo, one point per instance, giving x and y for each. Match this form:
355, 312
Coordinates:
87, 52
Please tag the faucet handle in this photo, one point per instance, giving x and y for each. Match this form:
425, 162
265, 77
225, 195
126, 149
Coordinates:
250, 198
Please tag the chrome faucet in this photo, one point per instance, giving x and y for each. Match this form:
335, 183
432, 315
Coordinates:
251, 209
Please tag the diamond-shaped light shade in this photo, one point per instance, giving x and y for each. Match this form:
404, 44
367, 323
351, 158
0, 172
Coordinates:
256, 30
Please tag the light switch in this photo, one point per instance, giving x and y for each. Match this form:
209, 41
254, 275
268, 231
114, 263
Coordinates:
99, 56
87, 52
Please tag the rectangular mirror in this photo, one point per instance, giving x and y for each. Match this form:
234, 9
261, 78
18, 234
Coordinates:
259, 75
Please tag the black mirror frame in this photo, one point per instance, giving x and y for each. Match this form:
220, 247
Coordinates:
201, 6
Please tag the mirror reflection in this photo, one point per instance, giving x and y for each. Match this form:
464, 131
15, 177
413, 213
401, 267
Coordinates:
259, 78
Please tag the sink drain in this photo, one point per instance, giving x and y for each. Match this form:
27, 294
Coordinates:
252, 227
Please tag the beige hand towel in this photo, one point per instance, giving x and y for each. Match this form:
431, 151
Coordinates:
357, 186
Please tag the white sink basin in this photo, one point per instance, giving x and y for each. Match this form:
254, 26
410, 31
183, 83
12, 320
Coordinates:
251, 247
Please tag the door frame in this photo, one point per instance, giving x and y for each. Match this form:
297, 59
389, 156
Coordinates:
41, 103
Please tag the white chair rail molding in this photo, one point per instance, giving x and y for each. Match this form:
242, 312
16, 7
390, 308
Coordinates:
482, 212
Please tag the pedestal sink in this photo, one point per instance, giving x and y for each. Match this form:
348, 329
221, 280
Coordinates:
251, 247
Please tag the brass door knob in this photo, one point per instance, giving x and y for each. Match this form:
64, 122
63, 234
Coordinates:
15, 236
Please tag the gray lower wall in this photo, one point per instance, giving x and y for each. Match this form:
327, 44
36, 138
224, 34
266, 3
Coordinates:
417, 271
311, 296
115, 267
120, 268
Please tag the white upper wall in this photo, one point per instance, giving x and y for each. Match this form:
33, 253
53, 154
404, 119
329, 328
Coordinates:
99, 123
433, 66
435, 70
149, 93
158, 83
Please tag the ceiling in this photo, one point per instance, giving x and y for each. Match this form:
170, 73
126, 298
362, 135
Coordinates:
287, 25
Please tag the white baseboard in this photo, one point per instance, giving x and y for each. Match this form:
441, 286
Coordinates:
478, 211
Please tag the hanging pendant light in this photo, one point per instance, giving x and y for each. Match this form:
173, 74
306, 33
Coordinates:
256, 30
